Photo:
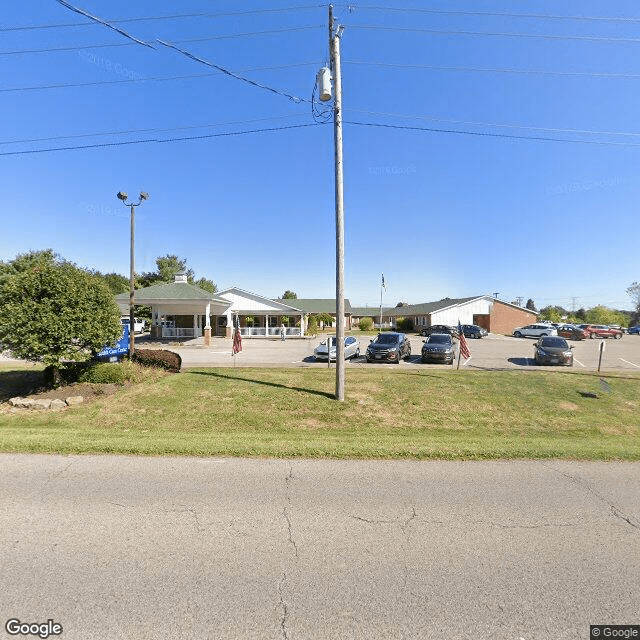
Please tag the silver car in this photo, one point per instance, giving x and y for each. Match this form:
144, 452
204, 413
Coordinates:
351, 348
535, 331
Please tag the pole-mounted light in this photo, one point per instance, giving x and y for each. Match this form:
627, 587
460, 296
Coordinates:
122, 195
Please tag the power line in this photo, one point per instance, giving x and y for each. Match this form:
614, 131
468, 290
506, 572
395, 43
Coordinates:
148, 130
156, 18
230, 73
104, 23
186, 41
497, 124
67, 85
495, 14
158, 141
495, 34
493, 135
513, 70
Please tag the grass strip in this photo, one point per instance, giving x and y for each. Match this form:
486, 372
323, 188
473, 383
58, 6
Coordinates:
386, 414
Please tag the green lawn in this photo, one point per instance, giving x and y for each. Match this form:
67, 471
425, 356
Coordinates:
387, 414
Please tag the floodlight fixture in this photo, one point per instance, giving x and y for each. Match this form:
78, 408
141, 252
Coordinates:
122, 196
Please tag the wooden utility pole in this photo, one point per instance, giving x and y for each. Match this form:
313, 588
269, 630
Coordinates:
334, 48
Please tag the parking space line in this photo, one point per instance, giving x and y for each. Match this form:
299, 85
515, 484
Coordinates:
466, 361
631, 363
580, 363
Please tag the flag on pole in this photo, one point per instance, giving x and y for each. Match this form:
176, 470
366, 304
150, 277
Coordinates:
384, 286
464, 349
237, 338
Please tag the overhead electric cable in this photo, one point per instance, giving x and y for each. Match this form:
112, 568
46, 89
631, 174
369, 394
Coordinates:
184, 41
148, 130
155, 140
494, 135
103, 22
496, 124
67, 85
230, 73
507, 70
493, 34
169, 17
495, 14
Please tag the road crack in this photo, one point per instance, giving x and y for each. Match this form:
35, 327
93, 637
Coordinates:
615, 511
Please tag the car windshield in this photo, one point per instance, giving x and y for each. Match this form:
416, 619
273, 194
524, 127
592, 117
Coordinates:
438, 339
387, 338
557, 343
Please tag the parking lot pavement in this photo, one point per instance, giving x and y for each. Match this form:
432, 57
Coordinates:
494, 352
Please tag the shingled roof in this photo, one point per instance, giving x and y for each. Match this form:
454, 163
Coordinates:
315, 305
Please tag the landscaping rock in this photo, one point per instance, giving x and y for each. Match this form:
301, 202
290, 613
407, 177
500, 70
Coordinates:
58, 404
42, 403
21, 403
71, 400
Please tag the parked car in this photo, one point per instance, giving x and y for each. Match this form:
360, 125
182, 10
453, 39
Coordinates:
439, 328
553, 350
601, 331
439, 347
351, 348
572, 332
535, 331
389, 347
633, 330
138, 325
473, 331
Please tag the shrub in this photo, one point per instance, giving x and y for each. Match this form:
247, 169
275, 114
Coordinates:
158, 358
312, 326
366, 324
104, 373
404, 324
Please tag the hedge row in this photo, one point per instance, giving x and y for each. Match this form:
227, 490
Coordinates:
158, 358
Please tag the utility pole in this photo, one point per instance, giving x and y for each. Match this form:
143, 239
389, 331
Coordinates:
123, 197
334, 48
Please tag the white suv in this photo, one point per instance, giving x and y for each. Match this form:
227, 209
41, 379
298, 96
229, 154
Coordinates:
535, 331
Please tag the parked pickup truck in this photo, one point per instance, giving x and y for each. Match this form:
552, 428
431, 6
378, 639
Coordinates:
138, 325
601, 331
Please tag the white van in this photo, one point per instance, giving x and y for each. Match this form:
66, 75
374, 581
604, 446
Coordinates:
138, 325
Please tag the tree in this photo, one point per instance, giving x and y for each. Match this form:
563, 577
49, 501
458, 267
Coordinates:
633, 291
54, 312
552, 314
116, 283
289, 295
166, 269
530, 305
206, 285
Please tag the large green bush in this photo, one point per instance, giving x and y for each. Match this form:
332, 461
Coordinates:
54, 312
366, 324
404, 324
158, 358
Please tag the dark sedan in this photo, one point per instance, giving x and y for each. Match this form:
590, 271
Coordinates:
572, 332
439, 328
439, 347
389, 347
553, 350
473, 331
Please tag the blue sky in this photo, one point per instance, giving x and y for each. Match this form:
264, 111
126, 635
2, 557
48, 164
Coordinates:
469, 209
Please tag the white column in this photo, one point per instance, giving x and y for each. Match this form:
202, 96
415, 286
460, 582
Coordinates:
195, 325
208, 314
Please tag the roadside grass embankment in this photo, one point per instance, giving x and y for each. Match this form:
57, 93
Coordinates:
386, 414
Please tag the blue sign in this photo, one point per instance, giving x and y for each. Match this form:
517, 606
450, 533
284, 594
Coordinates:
113, 354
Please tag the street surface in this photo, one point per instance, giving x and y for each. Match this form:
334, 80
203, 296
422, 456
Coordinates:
142, 548
495, 352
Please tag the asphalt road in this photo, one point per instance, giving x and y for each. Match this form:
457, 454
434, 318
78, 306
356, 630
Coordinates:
495, 352
144, 548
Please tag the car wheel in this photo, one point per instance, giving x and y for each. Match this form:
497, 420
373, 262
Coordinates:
618, 336
357, 353
368, 359
517, 334
592, 335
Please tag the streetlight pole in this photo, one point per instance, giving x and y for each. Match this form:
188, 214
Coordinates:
123, 197
334, 47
